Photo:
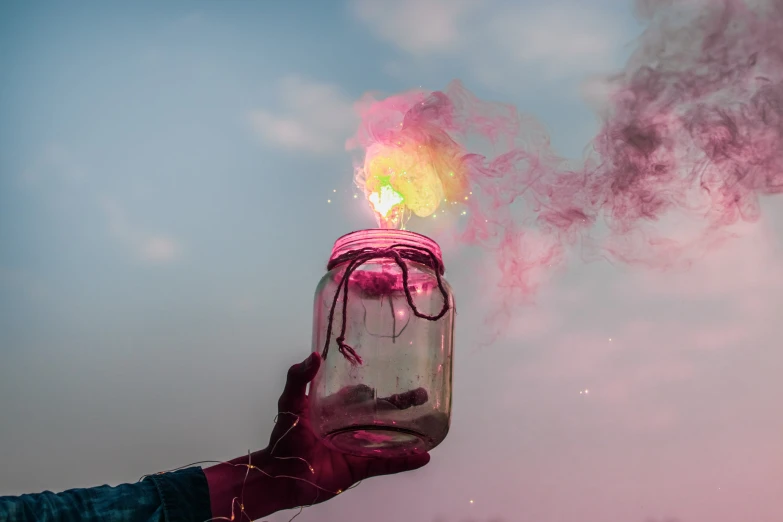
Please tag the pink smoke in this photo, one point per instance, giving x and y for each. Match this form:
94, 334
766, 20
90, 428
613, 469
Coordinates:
692, 137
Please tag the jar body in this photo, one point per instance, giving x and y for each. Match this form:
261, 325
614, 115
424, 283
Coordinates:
397, 401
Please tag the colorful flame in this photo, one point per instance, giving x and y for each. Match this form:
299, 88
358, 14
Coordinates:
412, 169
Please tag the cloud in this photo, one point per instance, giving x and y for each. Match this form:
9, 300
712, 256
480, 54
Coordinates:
147, 247
58, 162
557, 37
502, 45
316, 117
747, 266
649, 353
417, 26
158, 249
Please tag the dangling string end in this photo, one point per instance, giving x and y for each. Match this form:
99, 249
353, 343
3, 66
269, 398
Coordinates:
349, 353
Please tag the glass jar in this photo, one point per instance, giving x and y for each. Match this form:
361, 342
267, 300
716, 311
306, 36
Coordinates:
384, 387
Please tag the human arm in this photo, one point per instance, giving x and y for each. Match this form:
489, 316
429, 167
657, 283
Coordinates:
180, 496
252, 486
280, 477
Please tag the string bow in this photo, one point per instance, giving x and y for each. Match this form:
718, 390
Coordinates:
399, 252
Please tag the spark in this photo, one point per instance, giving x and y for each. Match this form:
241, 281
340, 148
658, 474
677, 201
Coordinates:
385, 200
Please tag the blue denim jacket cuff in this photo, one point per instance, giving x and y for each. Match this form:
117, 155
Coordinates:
184, 495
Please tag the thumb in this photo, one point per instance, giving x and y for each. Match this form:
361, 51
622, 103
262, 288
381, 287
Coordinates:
299, 375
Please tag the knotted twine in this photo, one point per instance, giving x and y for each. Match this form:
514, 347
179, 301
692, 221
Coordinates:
355, 258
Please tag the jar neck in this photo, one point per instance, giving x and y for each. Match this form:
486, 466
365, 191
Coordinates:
384, 239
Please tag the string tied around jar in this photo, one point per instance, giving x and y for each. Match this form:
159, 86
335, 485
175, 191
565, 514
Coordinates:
399, 253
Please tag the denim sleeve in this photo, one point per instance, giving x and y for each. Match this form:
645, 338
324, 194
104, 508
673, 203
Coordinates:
180, 496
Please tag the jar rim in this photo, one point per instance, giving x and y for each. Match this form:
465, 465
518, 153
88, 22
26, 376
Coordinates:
383, 238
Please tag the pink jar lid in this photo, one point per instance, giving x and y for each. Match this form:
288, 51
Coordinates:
383, 238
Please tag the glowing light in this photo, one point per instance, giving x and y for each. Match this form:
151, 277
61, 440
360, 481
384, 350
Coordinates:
471, 501
385, 200
423, 170
238, 500
328, 200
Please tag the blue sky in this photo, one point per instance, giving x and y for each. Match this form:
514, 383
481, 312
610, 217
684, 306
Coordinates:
164, 178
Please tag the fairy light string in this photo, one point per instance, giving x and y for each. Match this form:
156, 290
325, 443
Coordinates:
238, 503
399, 253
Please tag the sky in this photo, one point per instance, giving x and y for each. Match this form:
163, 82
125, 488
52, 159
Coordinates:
172, 178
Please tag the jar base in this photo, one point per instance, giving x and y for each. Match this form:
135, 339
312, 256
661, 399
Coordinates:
379, 441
